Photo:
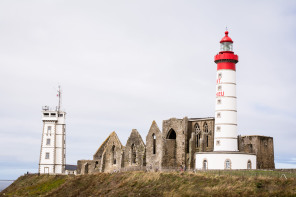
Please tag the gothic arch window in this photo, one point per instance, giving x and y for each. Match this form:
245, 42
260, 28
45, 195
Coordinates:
171, 134
227, 164
133, 154
113, 154
198, 134
196, 127
204, 164
154, 143
205, 128
249, 165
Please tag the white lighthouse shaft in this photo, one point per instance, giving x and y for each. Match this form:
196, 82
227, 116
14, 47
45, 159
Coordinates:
226, 112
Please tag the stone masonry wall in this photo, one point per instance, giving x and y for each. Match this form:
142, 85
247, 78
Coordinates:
153, 159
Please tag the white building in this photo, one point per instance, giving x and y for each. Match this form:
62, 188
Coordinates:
225, 155
53, 144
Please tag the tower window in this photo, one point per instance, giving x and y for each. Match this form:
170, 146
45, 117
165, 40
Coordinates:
53, 114
49, 128
46, 114
219, 88
219, 101
61, 115
46, 155
218, 128
220, 75
47, 141
218, 115
218, 142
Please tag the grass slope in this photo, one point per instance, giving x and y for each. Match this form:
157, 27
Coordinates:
150, 184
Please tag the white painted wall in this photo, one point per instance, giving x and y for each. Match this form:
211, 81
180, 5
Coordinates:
217, 161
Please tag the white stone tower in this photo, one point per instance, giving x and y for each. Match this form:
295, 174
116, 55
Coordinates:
53, 144
226, 114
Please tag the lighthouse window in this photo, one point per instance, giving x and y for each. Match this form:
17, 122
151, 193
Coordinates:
218, 129
219, 101
219, 115
46, 114
220, 75
219, 88
46, 155
218, 142
60, 115
47, 141
53, 114
226, 46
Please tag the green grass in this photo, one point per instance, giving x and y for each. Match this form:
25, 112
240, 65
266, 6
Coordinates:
210, 183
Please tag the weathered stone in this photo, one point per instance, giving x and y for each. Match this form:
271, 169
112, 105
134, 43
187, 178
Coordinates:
153, 148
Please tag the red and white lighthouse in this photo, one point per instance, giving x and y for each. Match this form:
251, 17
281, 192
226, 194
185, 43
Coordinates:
225, 154
226, 112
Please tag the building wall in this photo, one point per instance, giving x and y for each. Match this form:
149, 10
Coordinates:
262, 146
173, 153
153, 148
134, 152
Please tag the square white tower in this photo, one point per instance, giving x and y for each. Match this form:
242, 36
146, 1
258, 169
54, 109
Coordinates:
53, 144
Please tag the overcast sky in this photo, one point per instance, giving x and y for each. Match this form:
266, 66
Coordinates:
123, 64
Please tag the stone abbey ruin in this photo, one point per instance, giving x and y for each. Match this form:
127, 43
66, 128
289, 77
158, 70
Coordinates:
175, 146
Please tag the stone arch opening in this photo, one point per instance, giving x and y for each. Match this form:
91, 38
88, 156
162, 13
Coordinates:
205, 164
113, 153
154, 143
205, 128
86, 168
133, 154
171, 134
198, 134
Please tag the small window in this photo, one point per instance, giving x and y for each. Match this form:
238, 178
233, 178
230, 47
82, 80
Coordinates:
46, 114
47, 156
227, 164
218, 142
205, 164
49, 128
218, 115
219, 101
219, 88
249, 165
220, 75
61, 115
218, 128
47, 141
53, 114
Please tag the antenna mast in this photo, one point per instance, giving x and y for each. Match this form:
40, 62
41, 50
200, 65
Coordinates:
59, 95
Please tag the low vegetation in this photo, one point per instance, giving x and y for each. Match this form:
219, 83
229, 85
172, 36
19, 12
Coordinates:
154, 184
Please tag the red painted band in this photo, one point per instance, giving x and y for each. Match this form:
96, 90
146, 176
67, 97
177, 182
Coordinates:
226, 65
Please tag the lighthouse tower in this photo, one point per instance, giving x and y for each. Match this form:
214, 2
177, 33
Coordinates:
225, 154
226, 118
53, 143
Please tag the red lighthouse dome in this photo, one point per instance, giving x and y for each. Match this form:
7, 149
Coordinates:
226, 38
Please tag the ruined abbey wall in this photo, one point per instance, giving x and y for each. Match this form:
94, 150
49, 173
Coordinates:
172, 148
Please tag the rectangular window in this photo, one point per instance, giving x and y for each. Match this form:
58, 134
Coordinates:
47, 141
53, 114
47, 156
218, 129
46, 114
219, 88
220, 75
49, 128
219, 101
219, 115
60, 115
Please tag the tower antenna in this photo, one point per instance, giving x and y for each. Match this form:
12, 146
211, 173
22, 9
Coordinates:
59, 95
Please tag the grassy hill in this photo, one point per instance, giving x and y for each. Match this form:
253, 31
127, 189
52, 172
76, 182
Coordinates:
151, 184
